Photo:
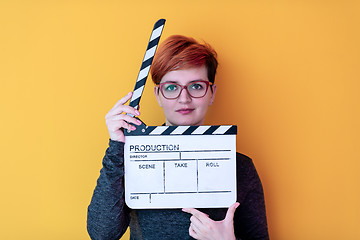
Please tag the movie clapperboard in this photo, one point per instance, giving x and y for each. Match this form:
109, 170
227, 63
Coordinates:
177, 166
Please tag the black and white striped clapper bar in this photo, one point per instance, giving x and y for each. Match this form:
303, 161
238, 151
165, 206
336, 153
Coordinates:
178, 166
146, 63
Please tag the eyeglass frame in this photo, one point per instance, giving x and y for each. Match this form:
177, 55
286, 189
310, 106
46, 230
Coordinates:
208, 84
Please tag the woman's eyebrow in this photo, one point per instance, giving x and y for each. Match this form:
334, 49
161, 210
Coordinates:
171, 82
198, 80
177, 82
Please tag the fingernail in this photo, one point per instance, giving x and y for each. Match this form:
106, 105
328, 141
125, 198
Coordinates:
137, 112
133, 128
138, 122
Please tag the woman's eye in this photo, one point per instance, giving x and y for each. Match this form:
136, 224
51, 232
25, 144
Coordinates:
196, 86
170, 87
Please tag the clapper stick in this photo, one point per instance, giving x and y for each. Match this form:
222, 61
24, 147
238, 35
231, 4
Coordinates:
146, 64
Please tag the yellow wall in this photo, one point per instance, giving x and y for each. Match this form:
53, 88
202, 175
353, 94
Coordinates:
289, 78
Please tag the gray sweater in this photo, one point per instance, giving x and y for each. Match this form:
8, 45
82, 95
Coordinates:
109, 216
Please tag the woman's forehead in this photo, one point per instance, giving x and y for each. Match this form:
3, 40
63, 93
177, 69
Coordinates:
184, 76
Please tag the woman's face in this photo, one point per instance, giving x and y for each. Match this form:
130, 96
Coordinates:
185, 110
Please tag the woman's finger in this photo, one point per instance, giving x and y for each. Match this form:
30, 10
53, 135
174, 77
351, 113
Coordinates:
196, 222
122, 109
123, 117
231, 211
116, 125
198, 214
199, 228
192, 233
123, 100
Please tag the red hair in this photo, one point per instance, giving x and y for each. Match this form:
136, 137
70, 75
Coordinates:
180, 52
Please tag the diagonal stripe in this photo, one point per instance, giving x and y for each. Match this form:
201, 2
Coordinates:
210, 130
149, 53
137, 93
222, 129
156, 33
190, 130
158, 130
143, 73
153, 43
147, 63
179, 130
169, 130
135, 103
232, 130
200, 130
140, 83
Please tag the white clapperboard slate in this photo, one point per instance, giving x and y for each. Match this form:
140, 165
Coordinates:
177, 166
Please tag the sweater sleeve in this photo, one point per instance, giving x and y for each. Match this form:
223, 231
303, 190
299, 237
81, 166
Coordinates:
108, 216
250, 218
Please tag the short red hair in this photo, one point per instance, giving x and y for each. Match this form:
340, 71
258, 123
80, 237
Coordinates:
180, 52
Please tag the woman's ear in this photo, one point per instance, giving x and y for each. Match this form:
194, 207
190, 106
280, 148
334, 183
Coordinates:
213, 88
157, 93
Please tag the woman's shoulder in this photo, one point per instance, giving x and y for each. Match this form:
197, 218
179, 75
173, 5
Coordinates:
244, 165
247, 177
242, 157
243, 160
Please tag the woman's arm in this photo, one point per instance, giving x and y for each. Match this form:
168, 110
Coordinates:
250, 217
108, 216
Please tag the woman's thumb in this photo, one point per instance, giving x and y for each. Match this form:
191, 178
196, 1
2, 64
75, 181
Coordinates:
231, 211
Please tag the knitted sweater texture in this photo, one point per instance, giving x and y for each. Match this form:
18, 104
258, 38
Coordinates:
109, 217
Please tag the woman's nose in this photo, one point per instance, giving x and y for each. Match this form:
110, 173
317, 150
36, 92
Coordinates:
184, 96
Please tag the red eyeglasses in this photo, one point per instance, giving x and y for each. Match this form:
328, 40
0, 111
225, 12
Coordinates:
196, 89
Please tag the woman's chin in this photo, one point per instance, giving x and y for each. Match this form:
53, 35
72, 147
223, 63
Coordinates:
183, 122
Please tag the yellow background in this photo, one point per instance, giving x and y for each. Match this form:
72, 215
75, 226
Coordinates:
288, 77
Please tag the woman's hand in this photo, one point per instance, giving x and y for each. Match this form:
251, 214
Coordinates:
117, 120
204, 228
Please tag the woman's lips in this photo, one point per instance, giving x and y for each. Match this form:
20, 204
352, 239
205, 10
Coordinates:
185, 110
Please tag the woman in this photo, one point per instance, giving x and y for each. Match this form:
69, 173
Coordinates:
184, 73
